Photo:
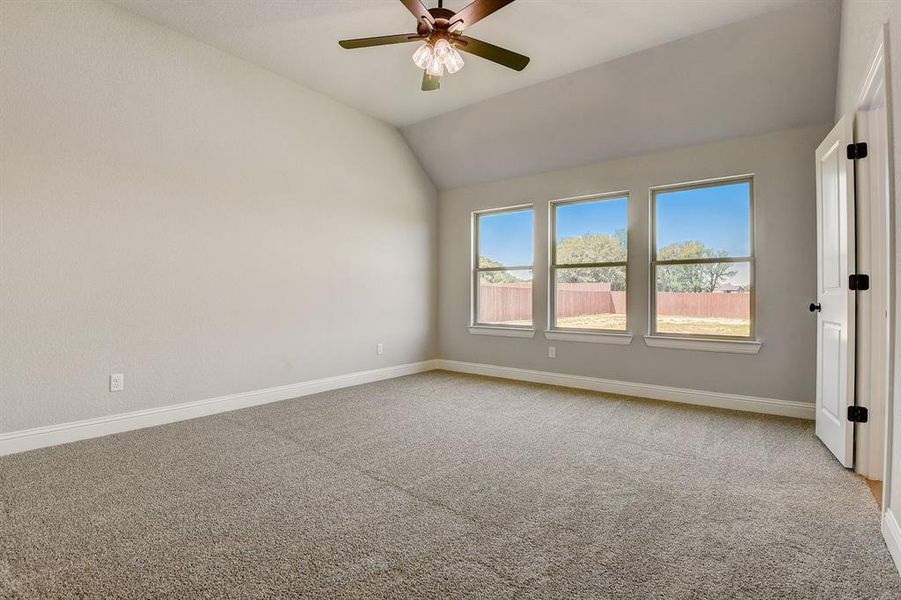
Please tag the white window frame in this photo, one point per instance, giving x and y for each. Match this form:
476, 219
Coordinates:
553, 328
660, 339
502, 329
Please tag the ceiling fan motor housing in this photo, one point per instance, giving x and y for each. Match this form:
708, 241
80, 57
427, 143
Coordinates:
441, 22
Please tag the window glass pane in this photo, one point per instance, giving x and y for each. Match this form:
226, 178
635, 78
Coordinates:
704, 299
505, 239
592, 232
591, 298
706, 222
505, 298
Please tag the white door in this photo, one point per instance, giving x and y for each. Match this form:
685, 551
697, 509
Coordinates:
836, 310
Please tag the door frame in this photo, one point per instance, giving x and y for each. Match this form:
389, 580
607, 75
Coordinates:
875, 244
878, 82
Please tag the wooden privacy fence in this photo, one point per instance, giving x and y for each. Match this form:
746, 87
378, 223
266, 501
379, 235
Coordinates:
499, 302
719, 305
574, 299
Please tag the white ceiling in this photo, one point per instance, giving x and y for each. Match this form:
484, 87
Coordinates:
298, 39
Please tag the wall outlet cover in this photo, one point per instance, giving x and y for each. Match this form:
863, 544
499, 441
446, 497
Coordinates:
116, 382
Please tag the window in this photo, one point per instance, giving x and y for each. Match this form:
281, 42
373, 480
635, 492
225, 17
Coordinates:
502, 267
702, 261
588, 264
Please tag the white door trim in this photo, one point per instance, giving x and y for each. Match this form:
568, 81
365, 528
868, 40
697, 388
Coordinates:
874, 239
891, 532
878, 81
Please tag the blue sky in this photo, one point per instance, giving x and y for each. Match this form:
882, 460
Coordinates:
507, 237
717, 216
592, 217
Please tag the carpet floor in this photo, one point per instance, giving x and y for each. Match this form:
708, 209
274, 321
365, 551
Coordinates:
442, 485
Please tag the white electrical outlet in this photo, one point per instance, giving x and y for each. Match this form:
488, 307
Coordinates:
116, 382
380, 349
551, 352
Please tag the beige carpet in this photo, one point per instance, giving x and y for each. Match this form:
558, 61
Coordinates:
441, 485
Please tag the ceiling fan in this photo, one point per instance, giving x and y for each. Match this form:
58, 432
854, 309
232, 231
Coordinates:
442, 31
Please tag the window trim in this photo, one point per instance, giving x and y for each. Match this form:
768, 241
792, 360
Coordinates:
653, 262
552, 263
617, 338
475, 269
732, 346
506, 331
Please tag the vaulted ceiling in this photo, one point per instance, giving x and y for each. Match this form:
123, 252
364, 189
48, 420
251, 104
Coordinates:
299, 38
608, 77
771, 72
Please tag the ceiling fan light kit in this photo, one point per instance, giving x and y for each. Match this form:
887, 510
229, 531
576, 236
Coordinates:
442, 31
438, 58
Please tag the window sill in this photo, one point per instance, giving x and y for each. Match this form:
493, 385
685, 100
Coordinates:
502, 331
706, 345
590, 337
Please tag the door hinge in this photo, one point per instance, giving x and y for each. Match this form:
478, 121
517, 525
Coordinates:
857, 414
858, 282
857, 151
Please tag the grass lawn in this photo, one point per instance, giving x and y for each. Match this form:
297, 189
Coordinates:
704, 326
665, 324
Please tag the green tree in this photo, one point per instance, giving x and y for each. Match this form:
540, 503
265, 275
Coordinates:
593, 248
692, 277
495, 276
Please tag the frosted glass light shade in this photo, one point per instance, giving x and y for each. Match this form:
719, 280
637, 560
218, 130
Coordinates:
436, 67
423, 56
453, 62
442, 49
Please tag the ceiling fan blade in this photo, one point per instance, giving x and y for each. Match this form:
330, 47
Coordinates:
380, 41
477, 11
501, 56
418, 9
429, 83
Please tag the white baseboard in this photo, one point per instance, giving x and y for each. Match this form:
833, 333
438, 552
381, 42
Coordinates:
892, 534
40, 437
787, 408
52, 435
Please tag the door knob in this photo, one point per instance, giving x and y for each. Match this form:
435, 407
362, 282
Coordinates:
815, 307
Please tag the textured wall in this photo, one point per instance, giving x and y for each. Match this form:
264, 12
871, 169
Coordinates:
785, 212
192, 221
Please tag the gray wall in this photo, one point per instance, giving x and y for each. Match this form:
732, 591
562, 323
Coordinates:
192, 221
862, 22
786, 269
